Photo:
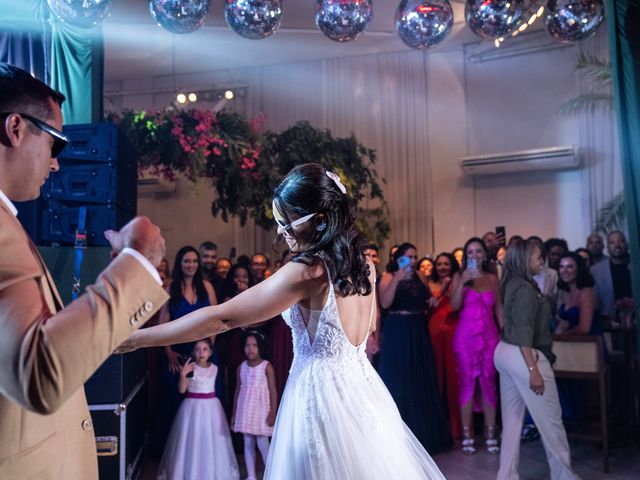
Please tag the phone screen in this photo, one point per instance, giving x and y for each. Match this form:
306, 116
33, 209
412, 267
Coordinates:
472, 264
403, 262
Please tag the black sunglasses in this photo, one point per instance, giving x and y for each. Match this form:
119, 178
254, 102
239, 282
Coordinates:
60, 140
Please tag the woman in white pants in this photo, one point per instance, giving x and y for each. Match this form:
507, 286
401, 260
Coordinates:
523, 358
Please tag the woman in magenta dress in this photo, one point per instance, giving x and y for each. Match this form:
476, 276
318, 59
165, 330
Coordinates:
476, 294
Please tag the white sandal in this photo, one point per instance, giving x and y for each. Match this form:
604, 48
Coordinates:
491, 440
468, 442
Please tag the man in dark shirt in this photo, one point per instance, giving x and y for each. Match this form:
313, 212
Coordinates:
208, 256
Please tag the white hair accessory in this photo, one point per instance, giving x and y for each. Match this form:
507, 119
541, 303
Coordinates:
337, 181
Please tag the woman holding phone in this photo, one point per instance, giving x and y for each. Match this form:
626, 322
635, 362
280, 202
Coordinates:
476, 294
407, 364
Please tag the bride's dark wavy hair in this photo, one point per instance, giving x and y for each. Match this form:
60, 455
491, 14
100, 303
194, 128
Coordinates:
307, 189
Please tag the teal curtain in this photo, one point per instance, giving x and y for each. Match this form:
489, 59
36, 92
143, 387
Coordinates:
75, 59
624, 35
73, 68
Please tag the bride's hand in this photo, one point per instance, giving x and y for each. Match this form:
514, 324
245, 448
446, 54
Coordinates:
129, 345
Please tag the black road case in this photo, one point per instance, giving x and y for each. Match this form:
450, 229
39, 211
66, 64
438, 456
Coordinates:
121, 434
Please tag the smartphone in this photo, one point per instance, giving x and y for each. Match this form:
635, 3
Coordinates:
193, 359
500, 230
404, 261
472, 264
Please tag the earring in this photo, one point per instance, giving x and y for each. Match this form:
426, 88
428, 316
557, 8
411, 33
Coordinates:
321, 227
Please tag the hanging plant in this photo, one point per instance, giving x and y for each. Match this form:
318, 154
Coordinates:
348, 158
244, 165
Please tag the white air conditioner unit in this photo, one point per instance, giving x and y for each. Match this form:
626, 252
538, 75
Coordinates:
150, 184
552, 158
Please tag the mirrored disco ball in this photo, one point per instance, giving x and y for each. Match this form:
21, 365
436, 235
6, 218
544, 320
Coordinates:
493, 18
573, 20
343, 20
424, 24
254, 19
80, 13
179, 16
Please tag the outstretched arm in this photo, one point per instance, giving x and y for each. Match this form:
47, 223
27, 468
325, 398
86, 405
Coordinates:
292, 283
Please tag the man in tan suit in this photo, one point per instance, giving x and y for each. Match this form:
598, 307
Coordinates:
48, 351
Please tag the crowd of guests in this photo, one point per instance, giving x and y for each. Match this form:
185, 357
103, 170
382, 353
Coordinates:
451, 326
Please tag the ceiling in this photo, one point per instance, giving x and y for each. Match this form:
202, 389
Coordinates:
135, 46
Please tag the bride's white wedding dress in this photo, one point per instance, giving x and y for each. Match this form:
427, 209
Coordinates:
337, 420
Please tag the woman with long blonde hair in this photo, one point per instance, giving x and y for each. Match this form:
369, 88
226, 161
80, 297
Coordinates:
524, 358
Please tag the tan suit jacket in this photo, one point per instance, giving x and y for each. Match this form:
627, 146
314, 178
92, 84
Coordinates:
47, 353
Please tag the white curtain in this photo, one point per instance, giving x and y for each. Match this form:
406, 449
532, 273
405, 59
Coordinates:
383, 100
602, 178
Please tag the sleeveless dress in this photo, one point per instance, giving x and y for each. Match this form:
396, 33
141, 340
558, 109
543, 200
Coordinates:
443, 322
170, 398
336, 419
407, 366
199, 444
573, 392
475, 341
253, 400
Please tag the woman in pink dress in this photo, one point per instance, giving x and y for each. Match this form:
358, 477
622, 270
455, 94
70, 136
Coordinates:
476, 294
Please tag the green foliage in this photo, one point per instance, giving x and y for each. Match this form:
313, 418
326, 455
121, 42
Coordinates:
348, 158
598, 71
611, 215
244, 165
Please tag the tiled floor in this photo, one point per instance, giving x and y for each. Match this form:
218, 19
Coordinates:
587, 461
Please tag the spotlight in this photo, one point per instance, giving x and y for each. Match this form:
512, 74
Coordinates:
193, 97
228, 94
181, 98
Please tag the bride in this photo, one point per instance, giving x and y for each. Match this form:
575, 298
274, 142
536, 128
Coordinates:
336, 419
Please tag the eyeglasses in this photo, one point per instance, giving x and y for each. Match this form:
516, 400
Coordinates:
60, 140
284, 229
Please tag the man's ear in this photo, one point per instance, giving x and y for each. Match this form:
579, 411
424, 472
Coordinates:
11, 133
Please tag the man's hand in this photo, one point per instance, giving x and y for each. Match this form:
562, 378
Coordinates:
141, 235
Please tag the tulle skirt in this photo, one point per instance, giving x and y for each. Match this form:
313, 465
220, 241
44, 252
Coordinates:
338, 421
199, 444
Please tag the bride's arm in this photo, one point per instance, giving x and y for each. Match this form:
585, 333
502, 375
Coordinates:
269, 298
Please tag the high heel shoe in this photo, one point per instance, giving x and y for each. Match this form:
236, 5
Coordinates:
468, 441
491, 440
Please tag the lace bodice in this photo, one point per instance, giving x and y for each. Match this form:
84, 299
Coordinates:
329, 342
203, 380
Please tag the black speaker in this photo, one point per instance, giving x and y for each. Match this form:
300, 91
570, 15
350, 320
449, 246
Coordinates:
98, 183
96, 142
98, 170
60, 222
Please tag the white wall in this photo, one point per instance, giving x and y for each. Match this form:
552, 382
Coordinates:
421, 112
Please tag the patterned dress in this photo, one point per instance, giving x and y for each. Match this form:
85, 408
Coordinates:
253, 400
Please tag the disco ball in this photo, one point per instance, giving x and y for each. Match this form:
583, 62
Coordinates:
424, 24
179, 16
343, 20
80, 13
573, 20
493, 18
254, 19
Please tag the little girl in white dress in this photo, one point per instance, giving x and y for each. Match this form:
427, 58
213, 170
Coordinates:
199, 444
